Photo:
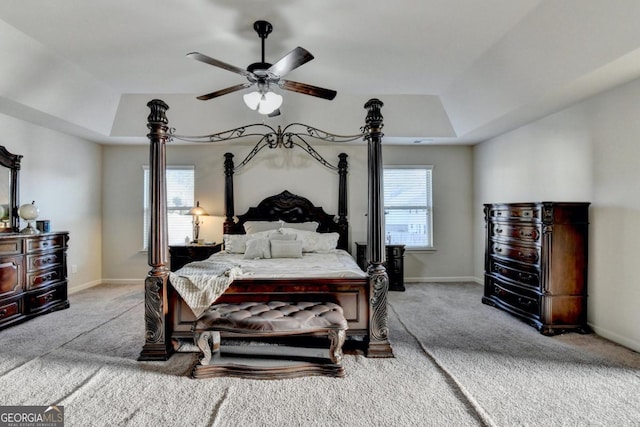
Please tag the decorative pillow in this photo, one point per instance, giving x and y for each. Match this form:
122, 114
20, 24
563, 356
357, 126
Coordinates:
235, 243
308, 226
286, 248
279, 235
258, 248
252, 227
315, 242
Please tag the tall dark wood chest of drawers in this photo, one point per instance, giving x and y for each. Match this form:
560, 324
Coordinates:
33, 275
536, 263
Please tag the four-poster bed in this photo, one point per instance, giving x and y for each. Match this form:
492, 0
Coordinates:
364, 299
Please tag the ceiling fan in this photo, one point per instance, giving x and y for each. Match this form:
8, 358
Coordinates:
264, 75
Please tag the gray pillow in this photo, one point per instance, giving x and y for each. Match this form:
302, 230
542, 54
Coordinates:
258, 248
286, 248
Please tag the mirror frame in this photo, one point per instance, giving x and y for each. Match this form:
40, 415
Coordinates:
12, 161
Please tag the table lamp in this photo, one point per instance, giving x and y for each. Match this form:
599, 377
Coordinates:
197, 212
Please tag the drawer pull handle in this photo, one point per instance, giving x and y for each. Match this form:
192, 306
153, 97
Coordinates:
499, 249
3, 312
499, 230
525, 302
524, 276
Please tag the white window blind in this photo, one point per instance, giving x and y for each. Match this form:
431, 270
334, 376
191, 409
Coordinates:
408, 206
180, 198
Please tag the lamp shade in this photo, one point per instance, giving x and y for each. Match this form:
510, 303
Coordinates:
197, 210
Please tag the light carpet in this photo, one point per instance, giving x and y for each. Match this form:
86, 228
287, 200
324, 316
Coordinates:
457, 363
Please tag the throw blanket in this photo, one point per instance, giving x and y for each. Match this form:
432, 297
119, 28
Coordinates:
200, 283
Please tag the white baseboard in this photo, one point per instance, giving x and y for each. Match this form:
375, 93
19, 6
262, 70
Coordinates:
83, 286
617, 338
443, 279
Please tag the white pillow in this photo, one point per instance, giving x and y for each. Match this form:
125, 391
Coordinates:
315, 242
286, 248
235, 243
308, 226
252, 227
258, 248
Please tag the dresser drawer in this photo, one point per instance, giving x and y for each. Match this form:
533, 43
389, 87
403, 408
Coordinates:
515, 212
45, 298
10, 309
41, 278
525, 254
514, 297
46, 260
525, 277
10, 246
524, 233
10, 276
45, 243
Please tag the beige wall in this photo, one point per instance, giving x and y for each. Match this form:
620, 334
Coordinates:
62, 174
273, 171
588, 152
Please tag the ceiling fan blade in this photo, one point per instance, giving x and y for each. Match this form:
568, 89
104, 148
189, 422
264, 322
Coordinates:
274, 113
308, 89
217, 63
224, 91
291, 61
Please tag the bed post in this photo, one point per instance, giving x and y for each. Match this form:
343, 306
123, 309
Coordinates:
156, 305
343, 224
378, 345
228, 193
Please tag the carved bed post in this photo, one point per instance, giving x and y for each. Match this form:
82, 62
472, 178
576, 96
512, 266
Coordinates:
379, 345
228, 193
156, 308
342, 200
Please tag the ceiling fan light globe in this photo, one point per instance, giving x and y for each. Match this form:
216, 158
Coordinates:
270, 102
252, 100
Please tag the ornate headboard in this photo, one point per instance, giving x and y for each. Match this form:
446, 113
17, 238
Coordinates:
290, 207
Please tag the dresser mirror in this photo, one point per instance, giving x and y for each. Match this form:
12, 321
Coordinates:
9, 181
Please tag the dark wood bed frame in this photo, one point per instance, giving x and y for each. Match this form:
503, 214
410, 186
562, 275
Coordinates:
364, 300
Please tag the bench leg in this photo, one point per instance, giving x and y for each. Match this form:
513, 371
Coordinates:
209, 344
337, 337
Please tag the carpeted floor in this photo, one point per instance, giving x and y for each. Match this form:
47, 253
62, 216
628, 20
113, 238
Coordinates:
457, 363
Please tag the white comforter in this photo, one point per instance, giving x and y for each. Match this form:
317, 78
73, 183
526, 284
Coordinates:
337, 263
200, 283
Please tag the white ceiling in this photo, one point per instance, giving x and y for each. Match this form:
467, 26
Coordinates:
448, 71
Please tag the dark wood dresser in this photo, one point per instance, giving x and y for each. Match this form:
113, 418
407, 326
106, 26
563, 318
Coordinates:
394, 263
182, 254
33, 275
536, 263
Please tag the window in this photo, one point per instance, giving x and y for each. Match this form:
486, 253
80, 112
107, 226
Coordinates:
407, 206
180, 198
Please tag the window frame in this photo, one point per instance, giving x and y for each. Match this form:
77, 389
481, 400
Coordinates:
428, 207
181, 210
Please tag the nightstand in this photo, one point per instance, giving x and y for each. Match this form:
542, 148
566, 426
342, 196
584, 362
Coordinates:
394, 264
182, 254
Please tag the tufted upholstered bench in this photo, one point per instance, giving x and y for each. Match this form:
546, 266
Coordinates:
272, 319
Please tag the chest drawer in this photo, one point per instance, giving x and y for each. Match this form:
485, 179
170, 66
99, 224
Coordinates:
45, 243
10, 309
40, 278
525, 254
524, 233
526, 302
46, 297
525, 277
10, 246
515, 212
46, 260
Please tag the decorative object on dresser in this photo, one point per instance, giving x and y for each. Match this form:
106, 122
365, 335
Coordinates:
394, 263
29, 213
183, 254
536, 263
9, 194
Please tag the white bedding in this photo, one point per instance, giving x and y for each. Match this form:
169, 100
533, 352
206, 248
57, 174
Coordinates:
336, 263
